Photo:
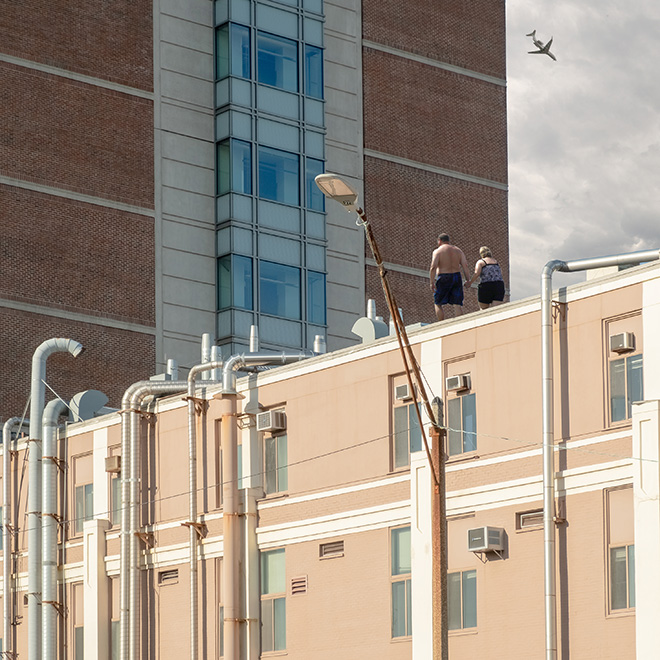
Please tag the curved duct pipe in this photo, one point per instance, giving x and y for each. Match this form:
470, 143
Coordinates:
549, 561
192, 485
13, 424
230, 529
129, 568
33, 515
52, 412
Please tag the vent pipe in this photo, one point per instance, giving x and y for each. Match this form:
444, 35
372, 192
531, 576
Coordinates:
230, 528
371, 309
320, 346
549, 560
49, 468
254, 339
172, 369
207, 342
33, 515
18, 425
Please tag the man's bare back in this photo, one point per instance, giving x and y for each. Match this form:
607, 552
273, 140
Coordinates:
447, 260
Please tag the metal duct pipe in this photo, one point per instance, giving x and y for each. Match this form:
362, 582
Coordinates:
549, 560
52, 412
254, 339
192, 485
129, 549
230, 528
207, 343
33, 515
13, 424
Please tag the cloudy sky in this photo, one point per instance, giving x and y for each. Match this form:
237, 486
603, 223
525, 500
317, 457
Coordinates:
584, 133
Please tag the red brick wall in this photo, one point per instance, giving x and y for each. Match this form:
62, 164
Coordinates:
113, 359
433, 116
82, 257
108, 40
75, 136
466, 34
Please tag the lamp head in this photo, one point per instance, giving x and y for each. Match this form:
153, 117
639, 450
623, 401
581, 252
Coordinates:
334, 187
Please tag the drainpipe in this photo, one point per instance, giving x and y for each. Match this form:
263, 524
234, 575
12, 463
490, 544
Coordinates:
193, 526
49, 529
15, 423
33, 515
129, 569
631, 258
230, 513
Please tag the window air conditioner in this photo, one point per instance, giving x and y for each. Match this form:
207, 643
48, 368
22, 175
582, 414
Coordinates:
484, 539
457, 383
624, 341
402, 392
272, 420
113, 464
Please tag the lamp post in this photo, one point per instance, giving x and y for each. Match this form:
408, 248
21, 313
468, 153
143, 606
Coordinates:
334, 187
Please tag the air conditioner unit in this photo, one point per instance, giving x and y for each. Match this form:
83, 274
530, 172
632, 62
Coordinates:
272, 420
402, 392
624, 341
457, 383
484, 539
113, 464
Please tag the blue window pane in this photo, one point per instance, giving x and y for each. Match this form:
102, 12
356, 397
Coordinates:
455, 435
314, 72
242, 289
279, 176
454, 601
224, 282
316, 297
222, 52
240, 51
399, 608
222, 167
618, 389
401, 552
279, 624
315, 199
241, 167
277, 61
415, 431
279, 290
469, 599
634, 378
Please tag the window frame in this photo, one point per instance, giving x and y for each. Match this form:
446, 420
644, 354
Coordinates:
288, 306
629, 572
278, 175
467, 573
412, 428
87, 500
400, 578
280, 472
626, 386
277, 70
453, 428
275, 600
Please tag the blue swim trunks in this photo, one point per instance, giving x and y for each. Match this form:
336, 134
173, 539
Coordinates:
448, 289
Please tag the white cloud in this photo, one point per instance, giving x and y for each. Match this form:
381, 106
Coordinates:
584, 133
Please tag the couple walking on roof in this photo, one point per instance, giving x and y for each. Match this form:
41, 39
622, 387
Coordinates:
447, 284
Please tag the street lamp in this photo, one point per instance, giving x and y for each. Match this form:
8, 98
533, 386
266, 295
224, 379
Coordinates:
334, 187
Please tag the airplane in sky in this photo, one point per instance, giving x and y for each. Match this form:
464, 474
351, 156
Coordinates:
542, 50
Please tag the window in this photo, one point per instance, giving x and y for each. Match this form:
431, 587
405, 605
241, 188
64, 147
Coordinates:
276, 472
407, 434
462, 599
78, 621
235, 282
401, 582
626, 386
314, 72
620, 548
279, 290
234, 166
1, 539
277, 61
233, 51
115, 494
622, 577
273, 601
84, 506
315, 199
279, 176
114, 619
316, 297
462, 422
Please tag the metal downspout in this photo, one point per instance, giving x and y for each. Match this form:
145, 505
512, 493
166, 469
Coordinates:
230, 513
129, 547
192, 485
33, 515
8, 596
549, 551
49, 468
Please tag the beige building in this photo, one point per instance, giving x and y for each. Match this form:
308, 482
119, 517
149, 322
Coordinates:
321, 548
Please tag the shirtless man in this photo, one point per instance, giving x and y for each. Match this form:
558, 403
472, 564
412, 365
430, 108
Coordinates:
445, 276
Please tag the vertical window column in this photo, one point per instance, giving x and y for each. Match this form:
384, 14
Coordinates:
273, 601
401, 582
462, 422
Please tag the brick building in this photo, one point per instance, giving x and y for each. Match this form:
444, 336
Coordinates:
157, 163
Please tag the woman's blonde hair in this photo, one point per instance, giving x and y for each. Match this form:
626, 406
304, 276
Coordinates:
485, 252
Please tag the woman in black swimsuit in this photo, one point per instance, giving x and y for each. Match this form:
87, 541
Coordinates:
491, 286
